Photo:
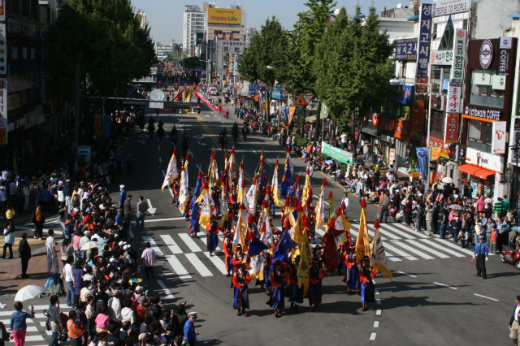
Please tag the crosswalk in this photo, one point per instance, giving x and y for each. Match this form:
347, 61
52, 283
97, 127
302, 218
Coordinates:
37, 334
187, 257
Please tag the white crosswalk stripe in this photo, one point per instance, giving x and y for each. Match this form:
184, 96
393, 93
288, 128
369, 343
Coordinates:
177, 267
399, 252
153, 244
426, 248
443, 248
190, 242
197, 263
451, 244
171, 244
411, 249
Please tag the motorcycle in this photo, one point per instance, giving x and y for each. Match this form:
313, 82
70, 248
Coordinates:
510, 255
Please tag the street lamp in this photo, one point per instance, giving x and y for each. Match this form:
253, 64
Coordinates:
398, 81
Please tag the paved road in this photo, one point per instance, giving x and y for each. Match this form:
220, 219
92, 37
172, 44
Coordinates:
434, 297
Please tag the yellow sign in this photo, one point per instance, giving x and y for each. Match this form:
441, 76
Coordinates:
224, 16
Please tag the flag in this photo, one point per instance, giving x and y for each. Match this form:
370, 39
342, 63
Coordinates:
306, 187
241, 184
378, 255
241, 226
274, 186
305, 261
256, 247
281, 252
232, 169
330, 249
320, 210
342, 224
331, 206
251, 197
257, 267
213, 176
183, 186
287, 180
362, 242
171, 172
260, 165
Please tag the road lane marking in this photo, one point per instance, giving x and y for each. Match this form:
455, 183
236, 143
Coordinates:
153, 244
167, 219
166, 290
388, 254
171, 244
400, 272
197, 263
485, 297
399, 252
378, 301
177, 267
439, 246
378, 312
219, 263
188, 240
444, 285
372, 336
150, 207
413, 249
453, 246
376, 324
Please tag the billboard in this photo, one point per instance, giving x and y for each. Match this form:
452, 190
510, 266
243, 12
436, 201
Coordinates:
224, 16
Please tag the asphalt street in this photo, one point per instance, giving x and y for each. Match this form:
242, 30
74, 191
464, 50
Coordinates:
434, 299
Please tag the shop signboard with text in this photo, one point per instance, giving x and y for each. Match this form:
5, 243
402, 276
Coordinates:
406, 49
3, 111
338, 154
459, 47
499, 136
403, 129
454, 94
485, 160
447, 7
224, 16
423, 48
452, 128
437, 143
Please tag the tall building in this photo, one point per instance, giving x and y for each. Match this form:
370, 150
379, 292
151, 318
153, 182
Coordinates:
142, 18
193, 29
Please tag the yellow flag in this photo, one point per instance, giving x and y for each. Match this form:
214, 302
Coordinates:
362, 241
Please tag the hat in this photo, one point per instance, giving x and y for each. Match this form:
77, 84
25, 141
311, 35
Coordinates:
121, 243
192, 314
88, 210
121, 186
113, 260
2, 187
126, 247
482, 237
86, 232
76, 209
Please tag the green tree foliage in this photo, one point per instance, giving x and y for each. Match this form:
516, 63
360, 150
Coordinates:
353, 67
105, 38
308, 32
265, 49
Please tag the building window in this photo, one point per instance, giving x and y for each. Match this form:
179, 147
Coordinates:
479, 135
487, 88
440, 79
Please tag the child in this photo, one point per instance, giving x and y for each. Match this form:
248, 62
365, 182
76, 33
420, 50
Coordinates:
463, 238
493, 240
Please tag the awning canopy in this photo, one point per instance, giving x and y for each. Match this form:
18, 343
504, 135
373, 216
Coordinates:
476, 171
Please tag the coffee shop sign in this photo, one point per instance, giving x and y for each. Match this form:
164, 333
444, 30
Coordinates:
483, 113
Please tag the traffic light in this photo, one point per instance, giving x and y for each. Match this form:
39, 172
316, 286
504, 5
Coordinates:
227, 58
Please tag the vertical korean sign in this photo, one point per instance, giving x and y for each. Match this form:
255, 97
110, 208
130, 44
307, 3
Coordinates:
458, 55
454, 91
452, 128
3, 110
423, 49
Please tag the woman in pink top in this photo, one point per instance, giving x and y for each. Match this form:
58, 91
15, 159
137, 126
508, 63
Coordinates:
102, 320
481, 204
75, 240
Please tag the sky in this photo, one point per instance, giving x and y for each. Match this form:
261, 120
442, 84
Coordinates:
165, 16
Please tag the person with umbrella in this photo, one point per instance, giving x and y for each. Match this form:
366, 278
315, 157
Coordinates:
19, 322
25, 254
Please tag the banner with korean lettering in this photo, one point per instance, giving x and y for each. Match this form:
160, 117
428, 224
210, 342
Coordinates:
459, 47
405, 49
498, 141
454, 94
3, 111
423, 48
452, 128
422, 161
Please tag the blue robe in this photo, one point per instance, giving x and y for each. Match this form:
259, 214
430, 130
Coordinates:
277, 294
352, 275
367, 290
211, 240
315, 291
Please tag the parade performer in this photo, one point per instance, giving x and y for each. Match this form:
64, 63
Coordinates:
212, 235
295, 291
366, 273
352, 271
240, 280
239, 258
316, 275
228, 252
278, 283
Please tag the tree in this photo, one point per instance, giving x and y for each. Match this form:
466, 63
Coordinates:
308, 32
353, 68
265, 49
103, 37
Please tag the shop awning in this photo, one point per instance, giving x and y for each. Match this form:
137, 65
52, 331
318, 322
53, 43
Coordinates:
476, 171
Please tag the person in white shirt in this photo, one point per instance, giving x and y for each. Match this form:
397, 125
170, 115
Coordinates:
52, 256
345, 202
114, 306
69, 282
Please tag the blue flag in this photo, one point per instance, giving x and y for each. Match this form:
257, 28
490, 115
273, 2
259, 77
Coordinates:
256, 246
282, 249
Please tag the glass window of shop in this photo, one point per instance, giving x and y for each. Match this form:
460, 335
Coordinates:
479, 135
440, 79
437, 127
487, 88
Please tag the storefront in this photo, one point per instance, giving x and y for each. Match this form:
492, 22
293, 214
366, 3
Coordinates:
489, 86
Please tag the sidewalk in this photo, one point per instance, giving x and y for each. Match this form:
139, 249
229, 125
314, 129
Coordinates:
11, 269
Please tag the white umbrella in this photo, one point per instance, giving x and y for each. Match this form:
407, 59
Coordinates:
89, 245
447, 180
27, 292
455, 207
